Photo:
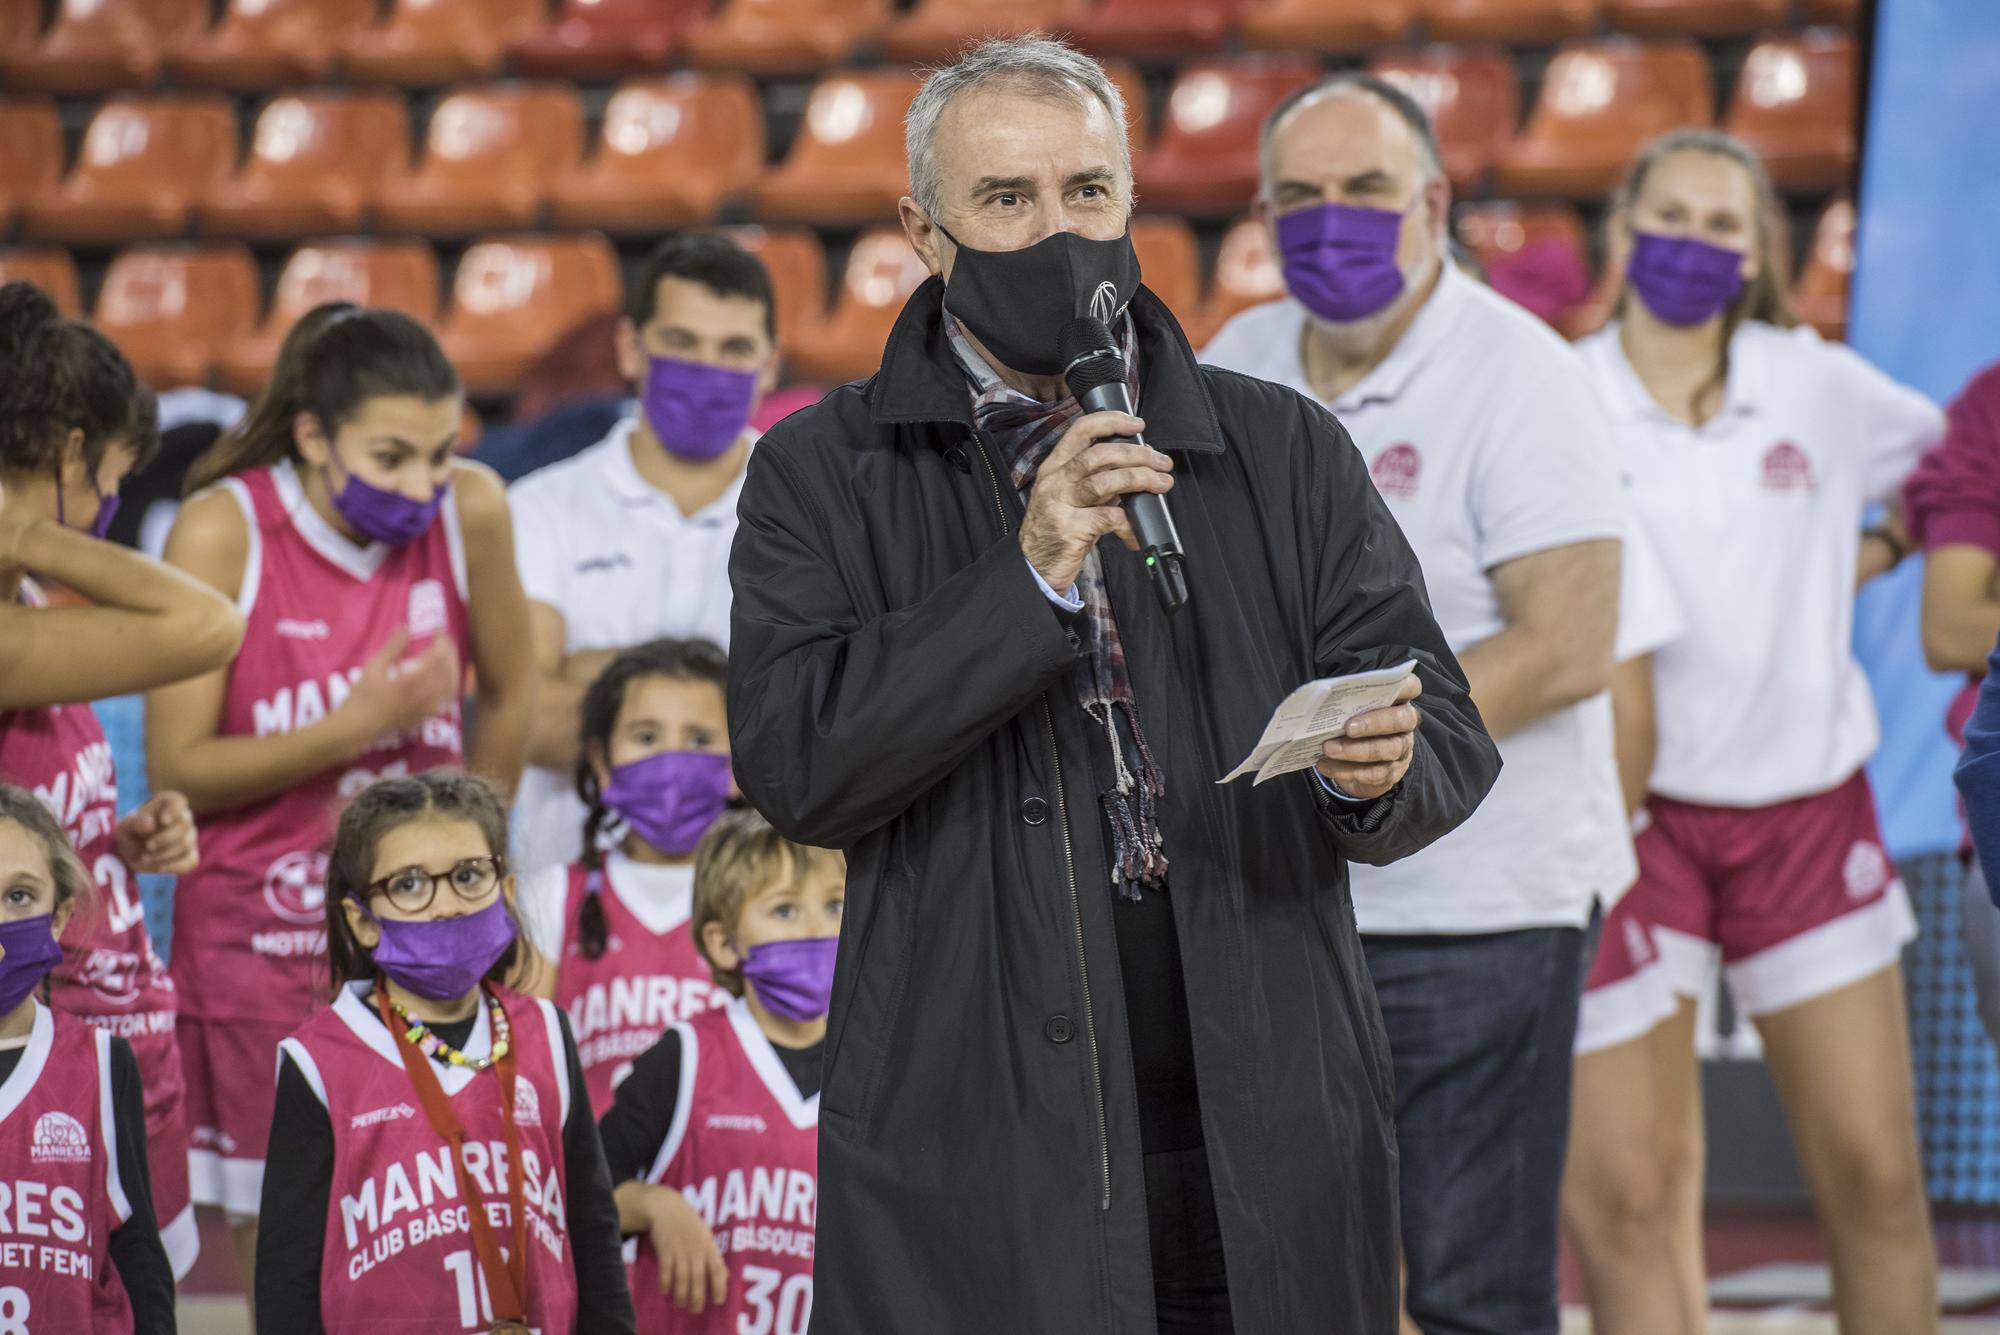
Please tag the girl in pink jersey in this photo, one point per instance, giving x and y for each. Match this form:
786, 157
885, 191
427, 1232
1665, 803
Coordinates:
433, 1167
371, 565
73, 422
654, 760
714, 1138
79, 1249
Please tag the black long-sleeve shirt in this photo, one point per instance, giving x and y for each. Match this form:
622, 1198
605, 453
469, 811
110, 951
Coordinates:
136, 1251
298, 1185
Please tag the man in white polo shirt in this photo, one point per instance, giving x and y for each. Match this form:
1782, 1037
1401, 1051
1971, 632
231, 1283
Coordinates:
1483, 436
629, 540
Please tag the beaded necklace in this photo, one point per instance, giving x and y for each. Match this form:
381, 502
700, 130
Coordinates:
420, 1036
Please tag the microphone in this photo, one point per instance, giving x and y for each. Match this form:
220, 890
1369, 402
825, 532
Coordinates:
1095, 371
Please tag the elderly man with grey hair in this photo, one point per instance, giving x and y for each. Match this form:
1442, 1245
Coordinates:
1102, 1055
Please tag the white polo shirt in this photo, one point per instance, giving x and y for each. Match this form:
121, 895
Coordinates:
1484, 438
623, 565
1757, 517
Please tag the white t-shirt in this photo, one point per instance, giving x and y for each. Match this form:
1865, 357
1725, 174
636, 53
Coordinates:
661, 897
1485, 440
1757, 518
623, 565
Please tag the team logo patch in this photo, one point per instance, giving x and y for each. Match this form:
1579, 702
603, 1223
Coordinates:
735, 1122
112, 974
295, 888
427, 608
59, 1138
1867, 870
376, 1117
1104, 302
527, 1103
1397, 470
1787, 468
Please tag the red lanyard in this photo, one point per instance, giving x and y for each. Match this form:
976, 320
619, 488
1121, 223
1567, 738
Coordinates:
506, 1278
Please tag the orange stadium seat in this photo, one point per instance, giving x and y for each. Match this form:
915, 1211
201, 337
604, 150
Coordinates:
797, 262
1844, 13
268, 43
144, 163
173, 309
1132, 86
423, 43
49, 268
20, 25
398, 274
1328, 25
1169, 262
1206, 156
785, 36
1533, 255
1506, 20
1599, 102
317, 163
490, 157
1795, 105
936, 29
672, 151
31, 145
1247, 273
1473, 101
847, 163
1820, 295
1698, 18
1155, 27
98, 45
606, 39
514, 296
882, 271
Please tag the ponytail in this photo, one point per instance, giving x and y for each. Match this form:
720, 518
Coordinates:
59, 375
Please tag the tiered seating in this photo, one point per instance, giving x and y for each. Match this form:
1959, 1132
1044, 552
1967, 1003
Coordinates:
936, 29
1131, 85
144, 163
785, 36
1795, 104
797, 262
1820, 295
1155, 27
398, 274
1534, 255
489, 158
100, 45
1507, 20
1169, 262
513, 297
1331, 25
606, 39
1599, 102
317, 163
172, 310
1472, 100
1702, 18
1844, 13
847, 163
1247, 273
268, 44
1206, 157
882, 271
49, 268
31, 146
426, 42
671, 151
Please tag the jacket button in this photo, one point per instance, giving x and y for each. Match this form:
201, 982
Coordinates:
1075, 641
1059, 1029
1034, 811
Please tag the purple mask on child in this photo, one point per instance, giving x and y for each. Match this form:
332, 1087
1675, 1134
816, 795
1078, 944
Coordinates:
1683, 281
444, 958
671, 797
385, 516
1340, 261
107, 509
793, 979
32, 950
697, 410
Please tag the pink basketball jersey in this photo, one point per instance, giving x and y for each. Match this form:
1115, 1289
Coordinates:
744, 1150
621, 1002
399, 1253
250, 924
60, 1189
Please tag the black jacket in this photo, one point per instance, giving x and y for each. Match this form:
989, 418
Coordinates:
900, 688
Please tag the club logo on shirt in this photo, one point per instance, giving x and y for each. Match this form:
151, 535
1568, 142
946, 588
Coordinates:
1787, 468
427, 608
736, 1122
59, 1138
295, 888
377, 1116
1397, 470
289, 629
1867, 870
527, 1104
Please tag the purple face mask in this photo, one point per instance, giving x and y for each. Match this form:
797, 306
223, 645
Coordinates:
670, 798
31, 951
793, 979
444, 958
1683, 281
107, 509
384, 516
1340, 261
697, 410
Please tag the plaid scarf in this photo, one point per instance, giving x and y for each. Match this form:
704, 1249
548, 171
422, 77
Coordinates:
1025, 430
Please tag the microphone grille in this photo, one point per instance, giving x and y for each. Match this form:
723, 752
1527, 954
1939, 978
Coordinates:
1089, 354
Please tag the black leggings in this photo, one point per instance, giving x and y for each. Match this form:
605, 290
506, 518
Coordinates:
1190, 1283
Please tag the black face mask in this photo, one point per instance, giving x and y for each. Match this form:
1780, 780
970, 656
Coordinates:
1015, 301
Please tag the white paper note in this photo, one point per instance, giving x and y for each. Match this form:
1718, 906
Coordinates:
1313, 715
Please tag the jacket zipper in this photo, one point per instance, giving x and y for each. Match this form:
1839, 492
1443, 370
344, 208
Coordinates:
1075, 898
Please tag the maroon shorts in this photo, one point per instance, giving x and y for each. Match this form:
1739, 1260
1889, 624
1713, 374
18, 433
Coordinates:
1797, 899
1627, 992
232, 1084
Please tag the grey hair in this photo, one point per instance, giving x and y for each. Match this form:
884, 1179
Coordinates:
1354, 81
1036, 65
